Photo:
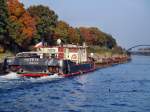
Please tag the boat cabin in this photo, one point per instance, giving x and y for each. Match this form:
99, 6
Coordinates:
71, 52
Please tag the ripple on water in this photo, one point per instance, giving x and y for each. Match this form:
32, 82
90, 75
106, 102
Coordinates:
124, 88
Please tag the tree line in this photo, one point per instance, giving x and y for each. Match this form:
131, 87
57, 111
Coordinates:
21, 29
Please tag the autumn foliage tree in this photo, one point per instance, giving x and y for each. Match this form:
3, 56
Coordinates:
94, 36
22, 26
74, 35
26, 27
88, 35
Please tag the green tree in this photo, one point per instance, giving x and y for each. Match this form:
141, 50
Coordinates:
3, 20
46, 20
110, 41
62, 31
81, 38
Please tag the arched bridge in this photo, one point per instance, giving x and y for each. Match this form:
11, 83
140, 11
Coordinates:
137, 52
137, 46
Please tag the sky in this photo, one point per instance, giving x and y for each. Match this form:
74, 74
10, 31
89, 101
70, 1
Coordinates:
128, 21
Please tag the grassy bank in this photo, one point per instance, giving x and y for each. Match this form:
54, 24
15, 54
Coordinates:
4, 55
103, 51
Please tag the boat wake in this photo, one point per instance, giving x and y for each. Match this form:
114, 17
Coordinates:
13, 81
45, 78
14, 76
10, 76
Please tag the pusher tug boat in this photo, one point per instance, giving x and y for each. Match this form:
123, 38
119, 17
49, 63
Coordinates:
64, 60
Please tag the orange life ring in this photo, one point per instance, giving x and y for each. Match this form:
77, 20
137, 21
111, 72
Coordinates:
74, 57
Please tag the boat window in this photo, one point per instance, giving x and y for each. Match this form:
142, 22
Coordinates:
28, 55
53, 56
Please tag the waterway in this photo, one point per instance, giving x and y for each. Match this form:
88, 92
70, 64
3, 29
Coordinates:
121, 88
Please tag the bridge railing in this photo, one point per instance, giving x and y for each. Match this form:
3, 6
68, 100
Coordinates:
129, 49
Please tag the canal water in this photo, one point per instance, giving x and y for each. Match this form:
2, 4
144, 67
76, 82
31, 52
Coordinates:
121, 88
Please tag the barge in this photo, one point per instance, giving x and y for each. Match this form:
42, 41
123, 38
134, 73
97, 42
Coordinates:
63, 60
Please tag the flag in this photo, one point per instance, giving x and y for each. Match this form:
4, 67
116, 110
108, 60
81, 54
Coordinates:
38, 45
43, 41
